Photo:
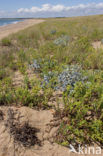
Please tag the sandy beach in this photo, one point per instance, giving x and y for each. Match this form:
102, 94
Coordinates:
13, 28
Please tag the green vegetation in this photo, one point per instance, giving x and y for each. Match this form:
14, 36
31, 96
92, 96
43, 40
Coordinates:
84, 113
58, 55
6, 42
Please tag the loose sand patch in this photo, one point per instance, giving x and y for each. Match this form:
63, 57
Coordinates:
97, 45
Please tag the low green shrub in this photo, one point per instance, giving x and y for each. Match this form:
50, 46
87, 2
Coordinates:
6, 92
84, 115
13, 65
32, 96
6, 42
22, 56
3, 74
41, 97
23, 97
21, 67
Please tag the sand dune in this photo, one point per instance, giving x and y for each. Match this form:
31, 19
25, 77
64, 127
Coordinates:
13, 28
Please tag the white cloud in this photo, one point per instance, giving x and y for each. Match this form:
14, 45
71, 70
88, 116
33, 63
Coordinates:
44, 8
48, 10
59, 8
100, 5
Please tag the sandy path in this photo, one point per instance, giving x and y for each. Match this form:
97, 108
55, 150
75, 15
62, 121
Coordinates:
13, 28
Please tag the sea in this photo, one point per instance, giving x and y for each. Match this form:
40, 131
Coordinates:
6, 21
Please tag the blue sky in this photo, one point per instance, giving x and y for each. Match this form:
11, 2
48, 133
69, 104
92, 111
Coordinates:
48, 8
8, 5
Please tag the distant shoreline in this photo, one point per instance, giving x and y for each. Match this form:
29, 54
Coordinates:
8, 29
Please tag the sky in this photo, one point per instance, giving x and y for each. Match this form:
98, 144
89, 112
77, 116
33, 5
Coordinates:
48, 8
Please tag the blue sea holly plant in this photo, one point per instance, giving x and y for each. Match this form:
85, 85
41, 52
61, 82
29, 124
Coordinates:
63, 40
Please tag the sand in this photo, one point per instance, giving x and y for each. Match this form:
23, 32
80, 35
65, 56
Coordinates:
13, 28
97, 45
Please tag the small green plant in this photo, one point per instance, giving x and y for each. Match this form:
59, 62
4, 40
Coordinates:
22, 56
21, 67
27, 82
6, 42
23, 97
6, 92
13, 66
3, 74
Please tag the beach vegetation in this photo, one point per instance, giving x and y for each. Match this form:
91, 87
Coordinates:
6, 42
58, 56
